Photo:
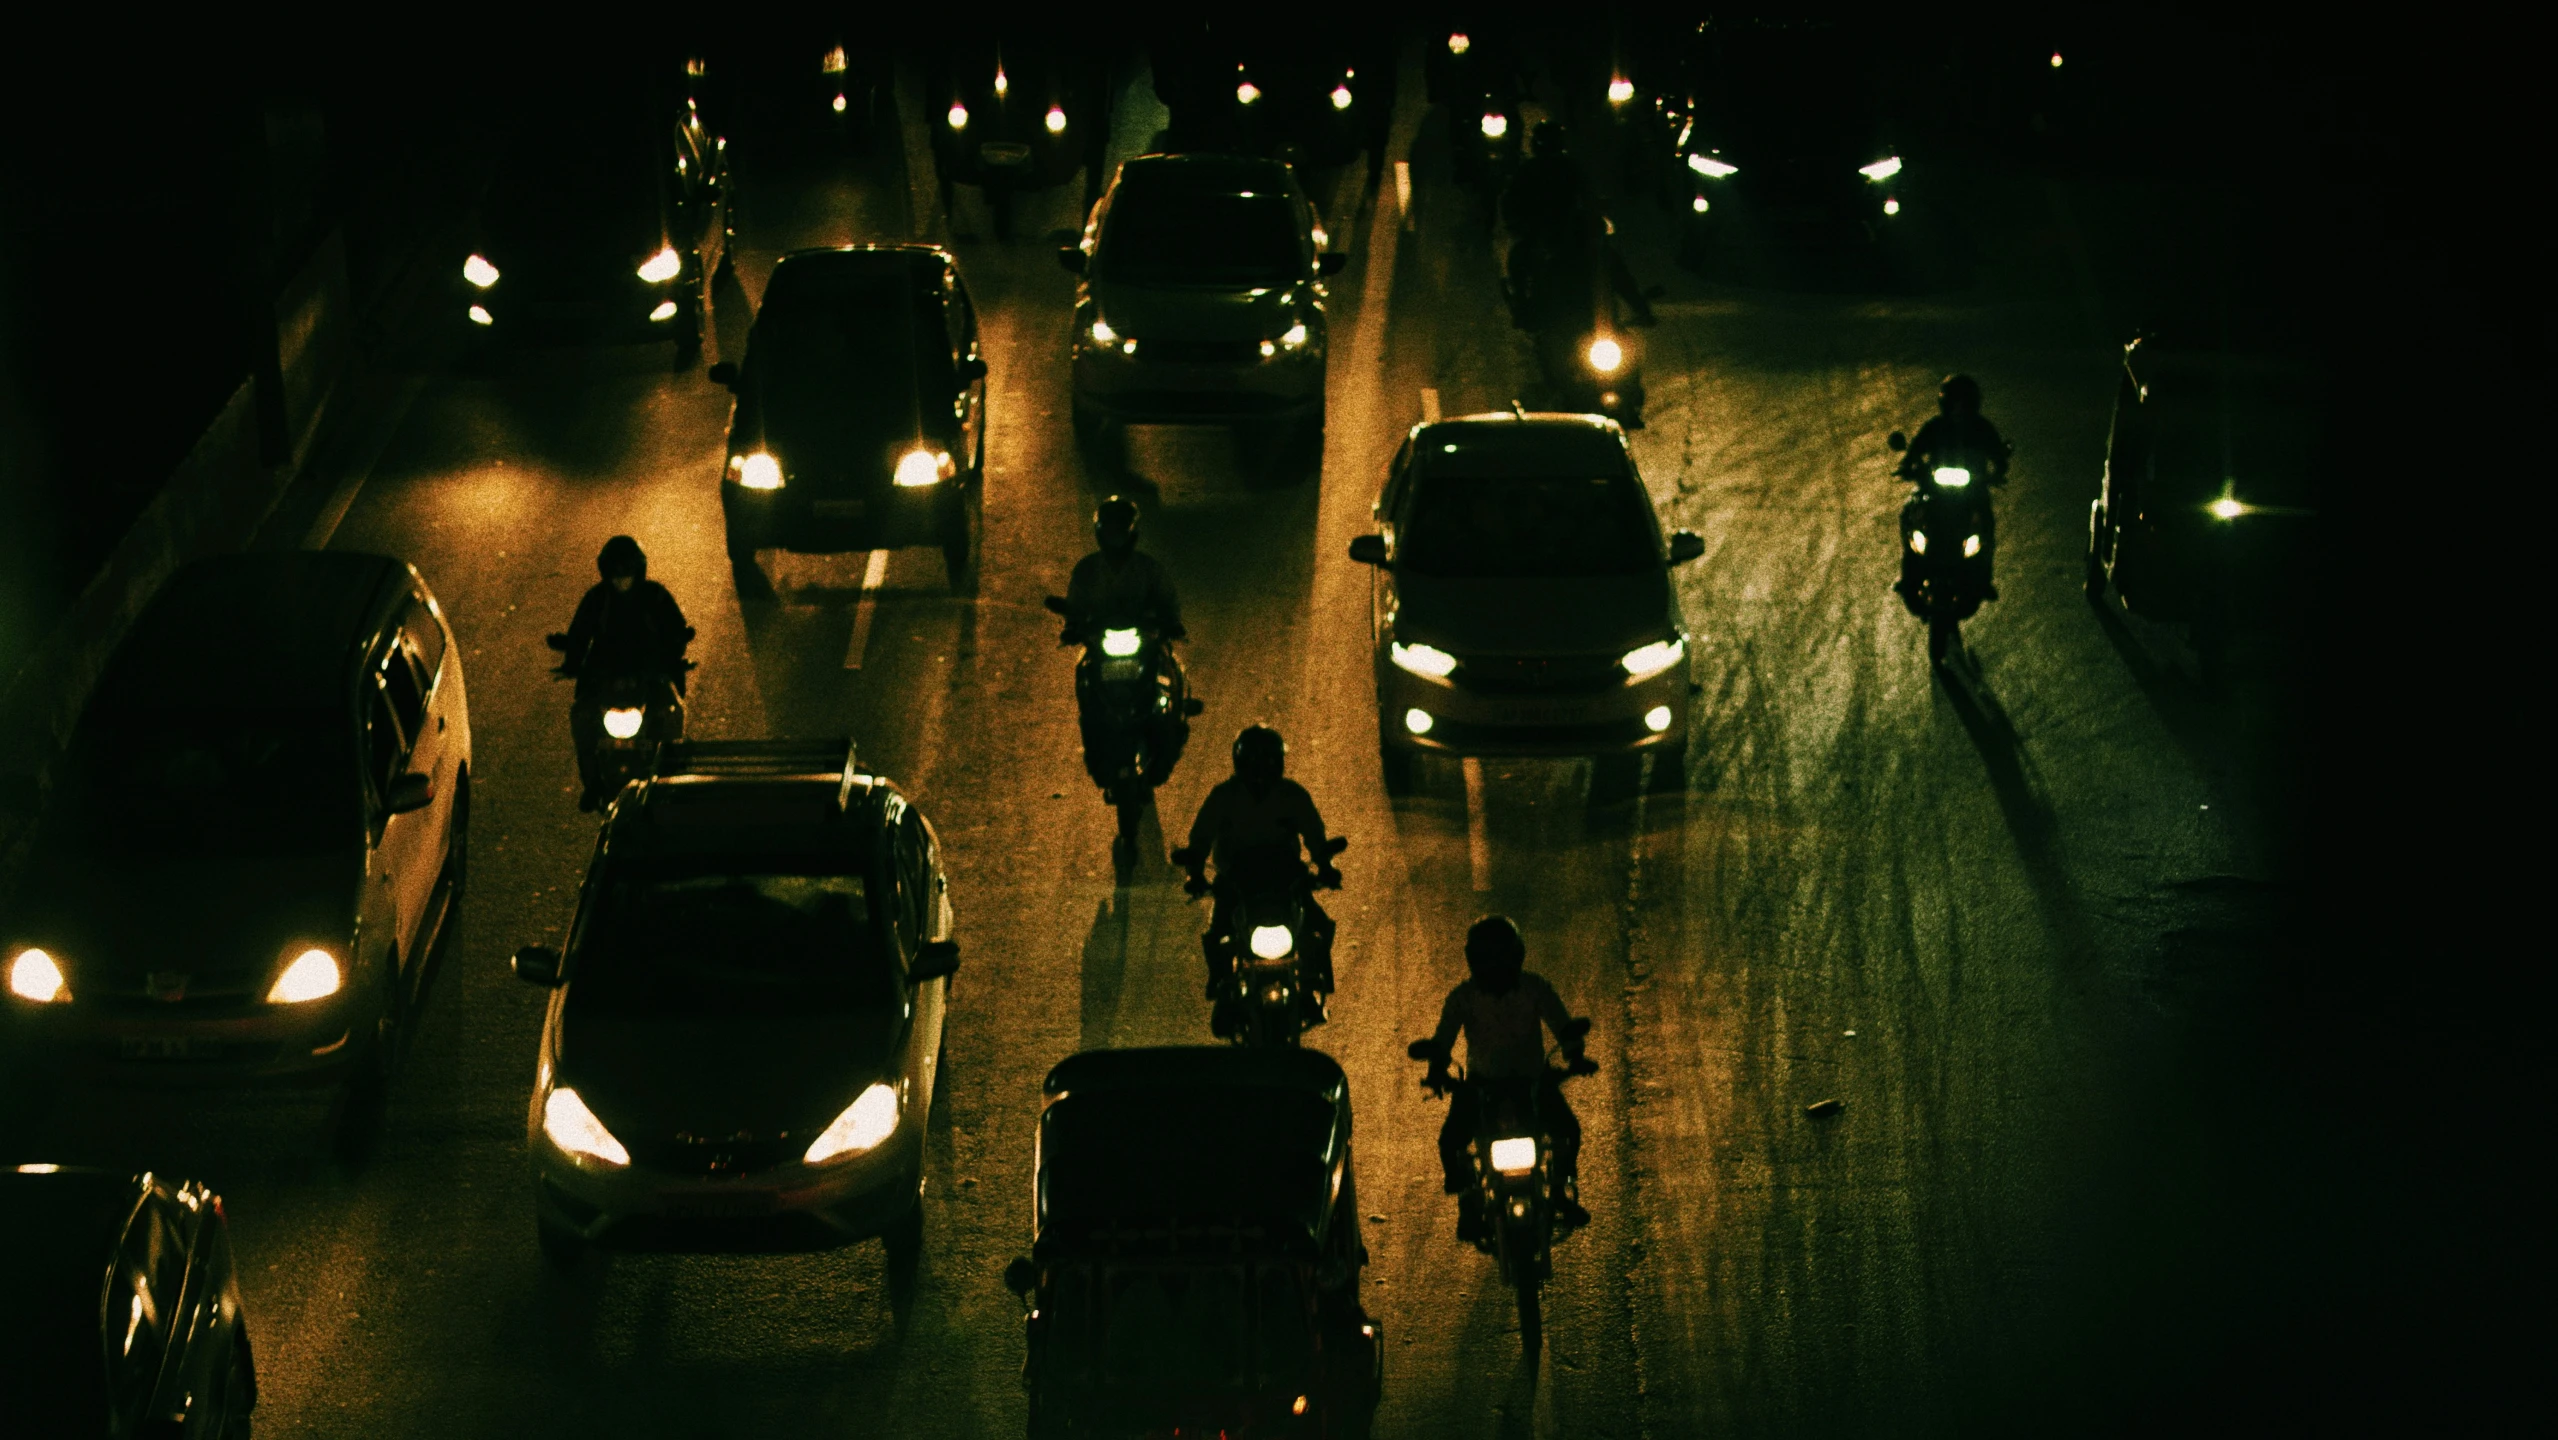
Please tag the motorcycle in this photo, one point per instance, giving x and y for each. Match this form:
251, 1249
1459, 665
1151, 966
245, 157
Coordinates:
1948, 538
1513, 1194
622, 721
1567, 296
1273, 942
1135, 707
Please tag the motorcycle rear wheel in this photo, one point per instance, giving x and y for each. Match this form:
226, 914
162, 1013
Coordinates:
1531, 1315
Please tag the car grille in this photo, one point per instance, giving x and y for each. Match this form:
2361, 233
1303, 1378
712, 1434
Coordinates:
1200, 352
208, 988
741, 1154
1539, 674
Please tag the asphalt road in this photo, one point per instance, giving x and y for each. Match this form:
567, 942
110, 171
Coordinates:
2002, 917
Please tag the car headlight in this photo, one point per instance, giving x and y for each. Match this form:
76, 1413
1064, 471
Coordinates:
661, 267
1712, 168
1340, 97
1459, 43
313, 975
1120, 644
1620, 90
958, 116
1606, 355
2227, 507
37, 976
1495, 125
1102, 334
1951, 477
758, 471
1647, 661
1971, 546
1272, 942
623, 721
1427, 660
1247, 93
567, 1123
1515, 1156
919, 468
1918, 542
665, 311
479, 271
864, 1123
1055, 121
1294, 337
1881, 170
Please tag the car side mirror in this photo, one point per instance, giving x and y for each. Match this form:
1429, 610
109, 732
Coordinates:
935, 960
411, 791
1685, 545
1194, 706
1331, 262
971, 370
1368, 549
536, 965
1072, 257
1021, 1277
1057, 605
1896, 442
724, 374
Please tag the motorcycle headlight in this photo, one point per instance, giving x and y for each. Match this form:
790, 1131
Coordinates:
918, 468
1340, 97
1247, 93
1971, 546
1644, 662
1495, 125
1606, 355
1120, 644
1951, 477
622, 722
37, 976
1516, 1155
1881, 170
313, 975
1918, 542
958, 116
661, 267
567, 1123
1272, 942
1055, 120
1427, 660
1459, 43
758, 471
1712, 168
1620, 90
863, 1125
479, 271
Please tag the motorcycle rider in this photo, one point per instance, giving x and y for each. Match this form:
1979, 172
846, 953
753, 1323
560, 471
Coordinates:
626, 624
1118, 584
1503, 1009
1259, 819
1960, 432
1559, 235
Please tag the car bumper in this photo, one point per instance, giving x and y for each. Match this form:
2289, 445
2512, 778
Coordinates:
790, 1207
278, 1044
1466, 722
1141, 391
795, 518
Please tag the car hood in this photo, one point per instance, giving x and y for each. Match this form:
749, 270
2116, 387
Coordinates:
1534, 617
1175, 312
839, 412
724, 1075
119, 917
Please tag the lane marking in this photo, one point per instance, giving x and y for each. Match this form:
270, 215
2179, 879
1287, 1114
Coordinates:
342, 499
1429, 405
1478, 832
1403, 197
872, 577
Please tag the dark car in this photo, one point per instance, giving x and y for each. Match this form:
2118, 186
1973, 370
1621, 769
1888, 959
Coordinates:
1202, 301
1195, 1266
746, 1023
1012, 113
119, 1308
1523, 603
607, 220
258, 830
798, 91
860, 421
1276, 90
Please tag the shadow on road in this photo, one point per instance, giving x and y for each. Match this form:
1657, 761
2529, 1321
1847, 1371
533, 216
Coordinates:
2030, 821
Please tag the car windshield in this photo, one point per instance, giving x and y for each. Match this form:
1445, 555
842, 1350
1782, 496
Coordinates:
1173, 1328
1527, 527
231, 782
1181, 237
835, 354
668, 942
577, 186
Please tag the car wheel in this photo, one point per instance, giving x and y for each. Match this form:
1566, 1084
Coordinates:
905, 1239
751, 581
1397, 767
366, 1093
563, 1249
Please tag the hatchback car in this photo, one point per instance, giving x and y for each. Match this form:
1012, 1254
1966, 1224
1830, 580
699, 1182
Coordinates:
1012, 113
1522, 602
746, 1023
860, 420
1202, 301
119, 1308
258, 831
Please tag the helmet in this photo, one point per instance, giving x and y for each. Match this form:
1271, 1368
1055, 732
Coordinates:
1114, 525
1495, 953
1260, 754
1959, 395
622, 556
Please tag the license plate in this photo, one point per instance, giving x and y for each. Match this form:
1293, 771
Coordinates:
722, 1207
1122, 670
166, 1047
838, 509
1004, 152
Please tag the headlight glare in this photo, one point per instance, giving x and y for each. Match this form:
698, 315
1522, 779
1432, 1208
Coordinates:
1644, 662
958, 116
1971, 546
1620, 90
568, 1124
1294, 338
1055, 120
1247, 93
622, 722
1712, 168
1951, 477
1120, 644
479, 271
35, 975
1102, 334
313, 975
1272, 942
1495, 125
919, 468
863, 1125
1881, 170
1606, 355
1515, 1156
1918, 542
758, 471
1340, 97
1427, 660
661, 267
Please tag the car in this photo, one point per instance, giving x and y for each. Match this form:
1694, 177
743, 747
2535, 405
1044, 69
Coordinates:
1010, 113
608, 219
745, 1026
1275, 90
119, 1308
793, 90
860, 413
258, 831
1522, 602
1202, 301
1195, 1263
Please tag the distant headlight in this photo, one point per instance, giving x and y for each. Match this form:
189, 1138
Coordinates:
1102, 334
1458, 44
1427, 660
1247, 93
665, 311
1294, 338
1647, 661
313, 975
1620, 90
840, 104
661, 267
1606, 355
1971, 546
479, 271
1495, 125
567, 1123
758, 471
958, 116
1272, 942
1881, 170
1056, 120
864, 1123
622, 722
833, 63
1120, 644
1515, 1156
1951, 477
1711, 168
1340, 97
35, 976
2227, 507
480, 315
1918, 542
919, 468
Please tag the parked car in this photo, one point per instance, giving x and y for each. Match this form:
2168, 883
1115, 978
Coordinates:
1195, 1263
1522, 602
258, 832
119, 1308
745, 1025
860, 419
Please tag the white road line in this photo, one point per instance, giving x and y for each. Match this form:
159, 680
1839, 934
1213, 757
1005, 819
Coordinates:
1403, 196
872, 578
342, 499
1478, 836
1429, 405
